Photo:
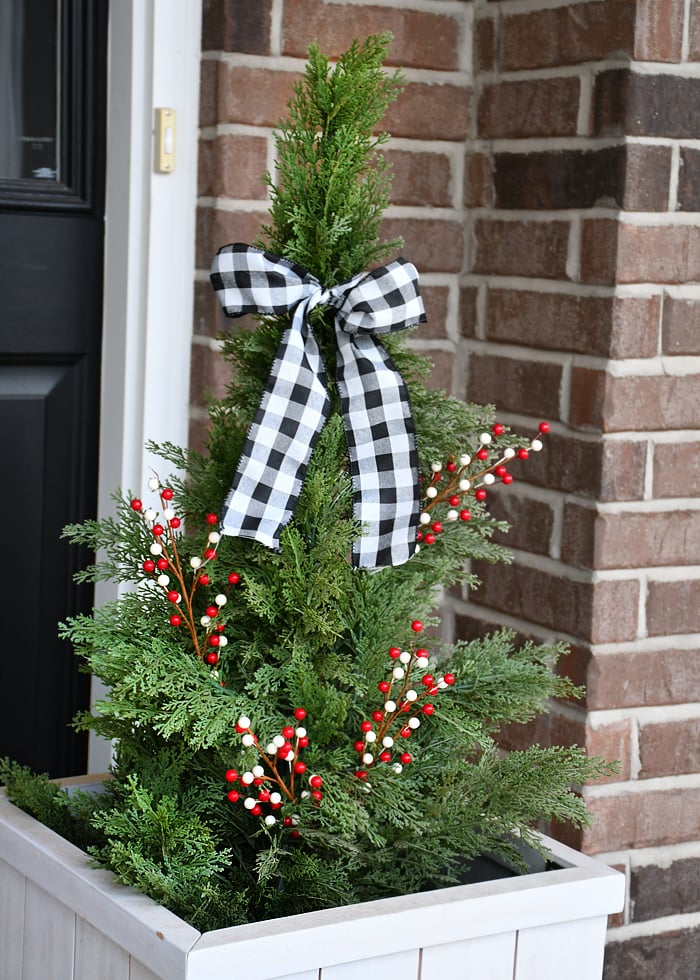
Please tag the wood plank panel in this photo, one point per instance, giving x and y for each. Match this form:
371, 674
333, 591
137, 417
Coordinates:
97, 956
486, 958
49, 937
405, 964
12, 889
137, 971
579, 945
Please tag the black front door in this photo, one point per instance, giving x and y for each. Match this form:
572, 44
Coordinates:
52, 111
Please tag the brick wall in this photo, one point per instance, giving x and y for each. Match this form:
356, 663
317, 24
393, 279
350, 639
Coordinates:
547, 183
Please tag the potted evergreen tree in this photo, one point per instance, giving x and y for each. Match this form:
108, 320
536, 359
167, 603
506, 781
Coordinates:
303, 771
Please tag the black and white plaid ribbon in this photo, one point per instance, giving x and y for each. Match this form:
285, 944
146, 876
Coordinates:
295, 405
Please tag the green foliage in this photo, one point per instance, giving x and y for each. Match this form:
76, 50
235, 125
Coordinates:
303, 627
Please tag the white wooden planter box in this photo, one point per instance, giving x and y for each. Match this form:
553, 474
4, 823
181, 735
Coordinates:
61, 919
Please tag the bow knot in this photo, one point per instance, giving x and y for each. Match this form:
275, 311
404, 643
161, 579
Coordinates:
295, 405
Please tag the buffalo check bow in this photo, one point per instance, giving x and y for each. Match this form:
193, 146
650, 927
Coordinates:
295, 405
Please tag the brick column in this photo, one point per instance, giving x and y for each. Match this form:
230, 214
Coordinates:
581, 305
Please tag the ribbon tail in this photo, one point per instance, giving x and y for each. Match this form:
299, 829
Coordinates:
292, 413
382, 451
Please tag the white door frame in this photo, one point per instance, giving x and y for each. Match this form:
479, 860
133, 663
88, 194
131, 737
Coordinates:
153, 61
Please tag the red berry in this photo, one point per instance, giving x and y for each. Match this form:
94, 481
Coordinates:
523, 454
175, 523
300, 713
287, 822
264, 795
406, 758
437, 527
417, 626
214, 640
482, 454
233, 796
212, 658
167, 494
360, 774
434, 689
465, 515
377, 715
175, 620
507, 478
299, 767
451, 466
385, 756
256, 810
543, 426
405, 732
149, 565
295, 834
428, 709
480, 494
449, 678
303, 742
454, 501
162, 564
317, 794
419, 535
234, 578
366, 726
220, 627
498, 429
258, 781
136, 504
359, 745
173, 596
428, 680
212, 610
384, 686
316, 782
287, 732
158, 529
210, 554
231, 775
429, 538
204, 579
500, 470
421, 652
395, 653
212, 518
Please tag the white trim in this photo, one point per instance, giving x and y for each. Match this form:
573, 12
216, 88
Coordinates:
153, 60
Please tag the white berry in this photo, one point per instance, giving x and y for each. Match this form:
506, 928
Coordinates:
431, 492
508, 453
156, 549
275, 798
368, 758
149, 514
485, 438
195, 562
270, 821
422, 662
258, 771
390, 705
436, 467
163, 580
405, 657
220, 599
247, 778
204, 621
168, 513
464, 485
214, 537
398, 673
249, 803
387, 741
464, 460
248, 740
300, 732
271, 748
279, 741
411, 695
452, 515
535, 445
414, 723
153, 483
370, 736
244, 721
425, 518
397, 767
489, 478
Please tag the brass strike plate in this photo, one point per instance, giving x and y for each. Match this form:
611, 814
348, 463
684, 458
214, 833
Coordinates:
165, 141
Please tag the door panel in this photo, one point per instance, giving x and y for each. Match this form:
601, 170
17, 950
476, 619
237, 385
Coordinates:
51, 254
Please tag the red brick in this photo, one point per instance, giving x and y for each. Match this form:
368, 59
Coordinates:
209, 375
541, 107
420, 39
521, 248
631, 678
530, 521
422, 111
673, 607
694, 52
608, 326
208, 318
659, 30
420, 178
442, 373
614, 743
255, 96
435, 300
197, 434
600, 401
232, 166
625, 253
236, 25
669, 748
628, 540
668, 953
431, 244
671, 889
485, 44
478, 181
216, 228
514, 385
568, 35
643, 819
679, 331
605, 471
676, 469
468, 315
628, 103
604, 612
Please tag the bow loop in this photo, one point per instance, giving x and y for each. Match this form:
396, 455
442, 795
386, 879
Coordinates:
295, 404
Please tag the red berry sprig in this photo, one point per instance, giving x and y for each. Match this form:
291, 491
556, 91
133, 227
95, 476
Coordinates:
461, 482
264, 786
400, 715
180, 583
